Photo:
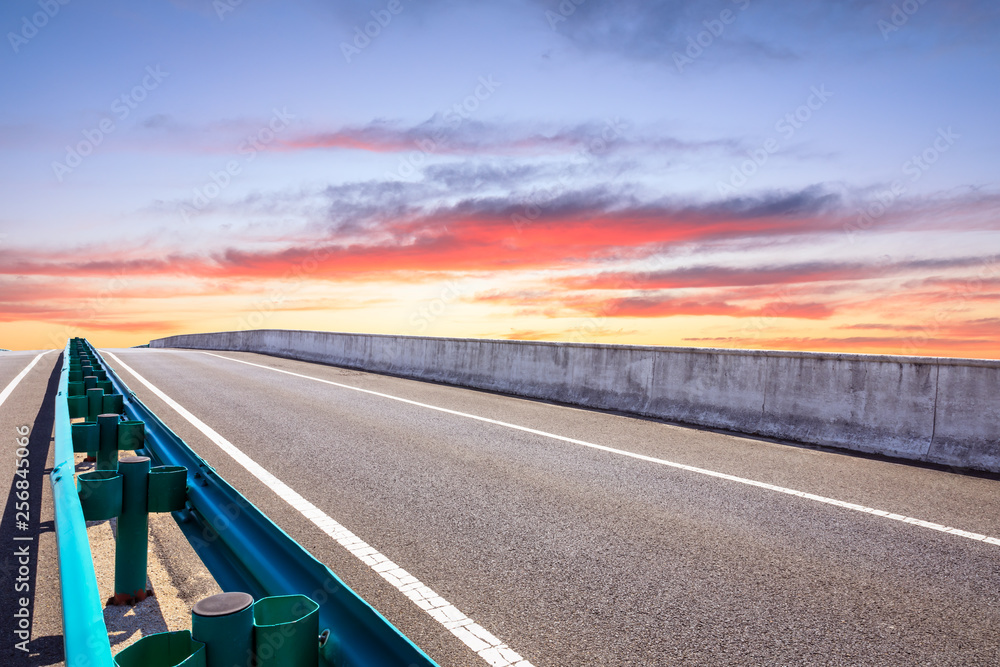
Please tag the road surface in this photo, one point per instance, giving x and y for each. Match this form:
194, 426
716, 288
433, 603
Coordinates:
579, 537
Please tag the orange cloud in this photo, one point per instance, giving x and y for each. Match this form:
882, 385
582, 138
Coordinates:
560, 304
667, 307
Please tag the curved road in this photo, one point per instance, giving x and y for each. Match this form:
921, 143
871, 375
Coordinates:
627, 553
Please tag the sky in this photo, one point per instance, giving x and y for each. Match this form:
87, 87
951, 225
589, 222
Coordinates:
755, 174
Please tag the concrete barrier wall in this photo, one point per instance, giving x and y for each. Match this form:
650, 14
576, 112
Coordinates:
937, 410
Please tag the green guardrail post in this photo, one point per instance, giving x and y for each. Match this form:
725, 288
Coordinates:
286, 631
77, 406
167, 490
113, 403
164, 649
224, 622
86, 438
89, 381
144, 489
95, 403
100, 494
131, 435
133, 531
107, 450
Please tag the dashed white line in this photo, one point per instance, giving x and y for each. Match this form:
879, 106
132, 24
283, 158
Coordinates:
9, 389
486, 645
650, 459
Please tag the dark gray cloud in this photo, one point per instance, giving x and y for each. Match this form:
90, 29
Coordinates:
812, 200
451, 134
753, 30
657, 29
710, 275
464, 177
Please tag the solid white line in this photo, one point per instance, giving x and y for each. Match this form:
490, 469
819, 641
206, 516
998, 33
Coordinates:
20, 376
487, 646
650, 459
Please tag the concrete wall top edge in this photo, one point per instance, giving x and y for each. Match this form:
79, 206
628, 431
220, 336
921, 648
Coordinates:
840, 356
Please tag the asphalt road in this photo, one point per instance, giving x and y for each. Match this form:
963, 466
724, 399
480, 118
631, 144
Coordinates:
580, 556
27, 539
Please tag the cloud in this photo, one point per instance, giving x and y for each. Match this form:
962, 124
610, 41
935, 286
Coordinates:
769, 274
652, 30
473, 234
573, 304
450, 134
758, 30
158, 121
882, 327
665, 306
809, 201
79, 317
530, 334
129, 325
384, 233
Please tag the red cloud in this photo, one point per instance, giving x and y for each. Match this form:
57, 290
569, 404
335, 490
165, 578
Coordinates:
444, 241
349, 140
719, 276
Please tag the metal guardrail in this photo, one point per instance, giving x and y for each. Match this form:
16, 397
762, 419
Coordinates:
85, 636
245, 551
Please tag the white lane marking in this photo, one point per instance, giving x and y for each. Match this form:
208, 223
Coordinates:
487, 646
650, 459
9, 389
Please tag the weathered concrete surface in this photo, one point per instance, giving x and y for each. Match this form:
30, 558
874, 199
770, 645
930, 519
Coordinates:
967, 428
721, 390
879, 405
937, 410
